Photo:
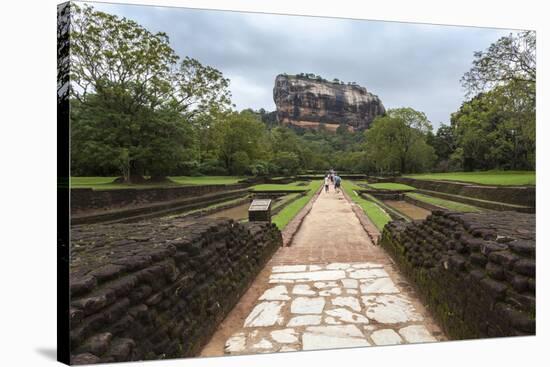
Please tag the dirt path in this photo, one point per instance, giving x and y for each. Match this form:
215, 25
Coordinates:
332, 288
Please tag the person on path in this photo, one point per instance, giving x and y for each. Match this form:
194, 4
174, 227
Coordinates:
326, 183
337, 183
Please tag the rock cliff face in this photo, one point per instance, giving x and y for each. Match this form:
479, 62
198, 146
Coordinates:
307, 102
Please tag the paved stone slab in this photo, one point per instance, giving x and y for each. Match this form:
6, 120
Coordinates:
236, 343
277, 293
323, 285
347, 301
307, 305
329, 320
386, 337
330, 292
333, 336
305, 320
379, 285
347, 316
350, 283
265, 314
416, 334
367, 273
304, 290
390, 309
263, 344
284, 336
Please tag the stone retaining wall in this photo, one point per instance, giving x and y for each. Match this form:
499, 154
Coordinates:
151, 210
421, 204
476, 271
86, 200
516, 195
492, 205
159, 289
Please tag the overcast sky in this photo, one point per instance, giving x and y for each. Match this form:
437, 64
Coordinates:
413, 65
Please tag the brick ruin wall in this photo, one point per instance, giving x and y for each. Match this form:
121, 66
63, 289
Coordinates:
158, 289
520, 195
476, 272
85, 200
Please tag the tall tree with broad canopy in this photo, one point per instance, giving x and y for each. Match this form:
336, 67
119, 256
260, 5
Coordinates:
135, 101
397, 141
241, 138
511, 59
496, 128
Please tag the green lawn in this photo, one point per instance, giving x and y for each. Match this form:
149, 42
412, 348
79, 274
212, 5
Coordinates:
292, 209
207, 180
390, 186
106, 183
451, 205
294, 186
493, 177
376, 214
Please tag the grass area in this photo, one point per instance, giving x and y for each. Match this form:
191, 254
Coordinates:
494, 177
375, 213
451, 205
294, 186
390, 186
207, 180
284, 200
292, 209
106, 183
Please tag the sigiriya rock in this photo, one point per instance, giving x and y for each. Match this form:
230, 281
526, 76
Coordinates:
307, 101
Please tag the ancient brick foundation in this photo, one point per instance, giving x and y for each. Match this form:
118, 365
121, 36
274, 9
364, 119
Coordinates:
475, 271
514, 195
85, 200
159, 289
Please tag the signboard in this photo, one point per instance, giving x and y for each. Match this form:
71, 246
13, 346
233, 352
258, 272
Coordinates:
260, 210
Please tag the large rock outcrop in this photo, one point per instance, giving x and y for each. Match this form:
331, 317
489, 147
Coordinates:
308, 101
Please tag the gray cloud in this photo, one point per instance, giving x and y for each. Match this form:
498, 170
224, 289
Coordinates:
405, 64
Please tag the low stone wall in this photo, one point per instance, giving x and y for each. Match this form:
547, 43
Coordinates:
151, 210
86, 200
421, 204
476, 271
516, 195
491, 205
159, 289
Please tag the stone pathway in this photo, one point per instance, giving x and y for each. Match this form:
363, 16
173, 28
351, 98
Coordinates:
332, 288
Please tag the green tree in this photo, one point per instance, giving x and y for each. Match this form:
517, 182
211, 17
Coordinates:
444, 144
240, 132
397, 142
496, 129
287, 162
511, 59
134, 105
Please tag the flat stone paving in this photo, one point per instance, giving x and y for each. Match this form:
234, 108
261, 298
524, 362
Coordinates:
337, 305
332, 288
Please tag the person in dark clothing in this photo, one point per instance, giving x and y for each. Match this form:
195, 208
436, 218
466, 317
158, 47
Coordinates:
337, 183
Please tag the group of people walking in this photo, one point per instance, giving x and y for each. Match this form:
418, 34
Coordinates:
333, 178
